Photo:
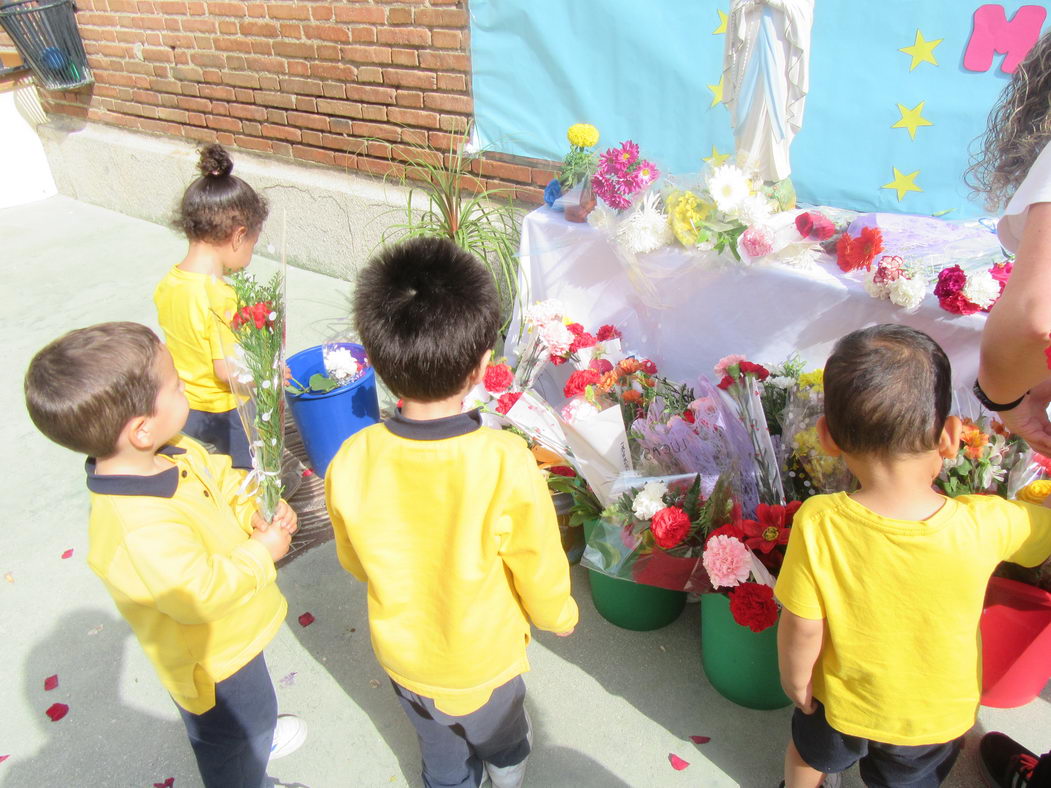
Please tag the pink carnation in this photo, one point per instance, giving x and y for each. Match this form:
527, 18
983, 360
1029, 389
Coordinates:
727, 561
755, 242
724, 363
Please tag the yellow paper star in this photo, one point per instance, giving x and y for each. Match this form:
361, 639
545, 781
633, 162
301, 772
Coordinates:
722, 23
903, 184
716, 158
911, 119
922, 51
717, 92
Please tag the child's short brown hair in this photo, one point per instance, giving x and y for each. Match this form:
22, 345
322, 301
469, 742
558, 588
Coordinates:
83, 388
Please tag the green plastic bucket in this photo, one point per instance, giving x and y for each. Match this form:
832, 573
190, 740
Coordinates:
740, 664
632, 605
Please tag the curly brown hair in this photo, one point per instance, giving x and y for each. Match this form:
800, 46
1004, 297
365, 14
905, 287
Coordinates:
1019, 126
218, 202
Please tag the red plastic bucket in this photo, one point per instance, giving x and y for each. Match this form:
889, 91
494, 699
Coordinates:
1016, 643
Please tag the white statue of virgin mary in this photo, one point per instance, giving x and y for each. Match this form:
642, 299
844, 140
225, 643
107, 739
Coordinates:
765, 79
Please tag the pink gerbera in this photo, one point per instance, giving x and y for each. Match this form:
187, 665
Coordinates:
727, 561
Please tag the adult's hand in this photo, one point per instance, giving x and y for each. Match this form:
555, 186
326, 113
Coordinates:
1029, 420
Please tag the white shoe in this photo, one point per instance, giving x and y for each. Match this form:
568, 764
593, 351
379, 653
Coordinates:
514, 775
834, 780
289, 735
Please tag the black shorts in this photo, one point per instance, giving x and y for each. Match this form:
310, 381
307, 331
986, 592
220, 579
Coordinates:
881, 765
224, 431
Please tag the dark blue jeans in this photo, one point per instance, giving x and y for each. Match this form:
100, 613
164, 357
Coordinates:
232, 740
224, 431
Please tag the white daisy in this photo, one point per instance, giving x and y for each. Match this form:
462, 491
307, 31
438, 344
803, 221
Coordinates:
728, 186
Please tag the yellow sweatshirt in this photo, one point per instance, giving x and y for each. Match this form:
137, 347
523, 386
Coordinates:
452, 527
174, 552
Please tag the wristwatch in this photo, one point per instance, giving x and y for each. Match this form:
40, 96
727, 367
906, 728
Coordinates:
994, 406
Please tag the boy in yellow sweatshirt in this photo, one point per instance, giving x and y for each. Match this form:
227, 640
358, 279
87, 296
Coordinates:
186, 558
450, 523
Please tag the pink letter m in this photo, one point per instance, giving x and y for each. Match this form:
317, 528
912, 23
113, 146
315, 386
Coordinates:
993, 33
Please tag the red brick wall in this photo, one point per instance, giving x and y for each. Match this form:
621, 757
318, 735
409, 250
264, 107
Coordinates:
331, 83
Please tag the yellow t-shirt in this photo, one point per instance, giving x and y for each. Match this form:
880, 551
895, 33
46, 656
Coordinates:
188, 308
901, 600
454, 531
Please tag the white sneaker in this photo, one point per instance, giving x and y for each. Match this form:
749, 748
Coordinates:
514, 775
289, 735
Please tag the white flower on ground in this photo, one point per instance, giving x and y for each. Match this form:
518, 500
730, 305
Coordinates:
649, 500
340, 364
646, 228
908, 293
981, 289
728, 186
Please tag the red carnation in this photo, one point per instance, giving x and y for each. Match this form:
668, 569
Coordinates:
752, 605
760, 372
805, 224
726, 530
562, 470
958, 304
669, 527
507, 401
648, 367
558, 360
581, 338
601, 365
607, 332
498, 378
579, 381
688, 417
814, 226
950, 281
726, 382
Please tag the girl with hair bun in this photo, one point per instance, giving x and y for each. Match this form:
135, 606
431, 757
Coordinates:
222, 217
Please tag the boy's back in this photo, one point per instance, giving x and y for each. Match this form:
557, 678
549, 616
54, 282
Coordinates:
453, 528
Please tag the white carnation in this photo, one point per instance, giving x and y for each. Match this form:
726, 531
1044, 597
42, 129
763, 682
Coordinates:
340, 364
649, 500
981, 289
577, 410
754, 209
874, 288
908, 293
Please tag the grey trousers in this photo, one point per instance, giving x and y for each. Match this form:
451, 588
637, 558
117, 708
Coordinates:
456, 750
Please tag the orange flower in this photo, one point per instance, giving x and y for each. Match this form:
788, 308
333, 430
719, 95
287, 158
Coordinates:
608, 381
629, 365
631, 395
647, 382
975, 440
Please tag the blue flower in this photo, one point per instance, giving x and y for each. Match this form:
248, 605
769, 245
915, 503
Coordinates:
552, 192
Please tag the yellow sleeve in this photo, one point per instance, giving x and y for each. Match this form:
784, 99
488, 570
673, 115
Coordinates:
1028, 533
188, 583
796, 587
348, 556
532, 550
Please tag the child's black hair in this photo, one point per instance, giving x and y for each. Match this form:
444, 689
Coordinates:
218, 202
888, 390
426, 312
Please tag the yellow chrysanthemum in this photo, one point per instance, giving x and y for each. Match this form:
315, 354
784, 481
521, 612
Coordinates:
814, 379
583, 135
686, 211
812, 457
1035, 492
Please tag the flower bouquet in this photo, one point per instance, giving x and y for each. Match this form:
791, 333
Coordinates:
981, 462
963, 294
577, 168
258, 327
654, 530
622, 174
892, 278
343, 363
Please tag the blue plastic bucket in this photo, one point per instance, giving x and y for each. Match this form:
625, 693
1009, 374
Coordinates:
327, 419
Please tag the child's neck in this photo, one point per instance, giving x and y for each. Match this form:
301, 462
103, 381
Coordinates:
427, 411
898, 487
202, 258
129, 461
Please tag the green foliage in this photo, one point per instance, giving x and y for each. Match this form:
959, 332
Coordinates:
578, 164
585, 504
319, 383
446, 200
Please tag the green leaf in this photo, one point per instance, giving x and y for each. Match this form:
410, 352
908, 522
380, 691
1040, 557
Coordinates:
322, 383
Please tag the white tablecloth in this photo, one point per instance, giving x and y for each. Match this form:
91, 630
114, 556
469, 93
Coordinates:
686, 318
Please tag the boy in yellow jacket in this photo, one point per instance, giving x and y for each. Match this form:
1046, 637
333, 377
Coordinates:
450, 523
188, 561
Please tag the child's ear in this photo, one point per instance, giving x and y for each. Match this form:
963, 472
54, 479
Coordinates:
479, 373
238, 238
139, 433
824, 437
949, 440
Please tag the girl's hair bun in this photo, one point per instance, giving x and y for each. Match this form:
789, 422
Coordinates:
215, 161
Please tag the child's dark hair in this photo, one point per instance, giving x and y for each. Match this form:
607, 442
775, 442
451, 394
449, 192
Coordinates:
426, 312
217, 203
888, 390
83, 388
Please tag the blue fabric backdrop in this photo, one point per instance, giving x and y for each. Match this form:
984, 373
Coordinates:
650, 70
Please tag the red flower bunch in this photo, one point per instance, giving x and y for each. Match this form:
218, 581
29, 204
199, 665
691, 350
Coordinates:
562, 470
498, 378
257, 315
669, 527
752, 605
507, 401
854, 253
949, 291
608, 332
814, 226
579, 381
581, 339
745, 368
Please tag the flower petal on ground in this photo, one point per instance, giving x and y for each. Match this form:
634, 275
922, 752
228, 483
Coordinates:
700, 739
50, 682
166, 784
68, 553
306, 620
677, 763
57, 711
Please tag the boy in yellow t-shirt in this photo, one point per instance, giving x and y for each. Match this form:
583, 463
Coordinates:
221, 216
450, 523
883, 588
186, 558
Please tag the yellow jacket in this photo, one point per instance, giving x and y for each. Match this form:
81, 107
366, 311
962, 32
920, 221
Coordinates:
174, 552
452, 527
189, 307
